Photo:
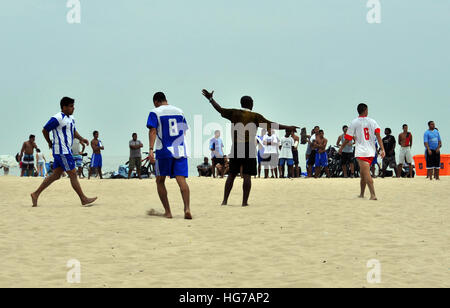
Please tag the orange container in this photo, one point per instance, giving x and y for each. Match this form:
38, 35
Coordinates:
421, 165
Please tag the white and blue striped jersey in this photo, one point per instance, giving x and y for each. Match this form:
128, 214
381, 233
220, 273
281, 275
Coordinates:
63, 130
171, 126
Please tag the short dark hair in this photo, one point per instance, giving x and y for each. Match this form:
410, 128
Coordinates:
362, 108
388, 130
32, 136
344, 127
405, 125
429, 123
321, 131
66, 101
247, 102
159, 97
38, 150
95, 132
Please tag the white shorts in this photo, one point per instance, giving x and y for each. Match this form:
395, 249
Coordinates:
405, 156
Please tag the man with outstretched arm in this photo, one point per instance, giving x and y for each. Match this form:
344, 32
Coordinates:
243, 154
62, 126
365, 132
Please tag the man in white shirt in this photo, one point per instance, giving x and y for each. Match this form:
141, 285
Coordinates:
287, 155
271, 144
365, 132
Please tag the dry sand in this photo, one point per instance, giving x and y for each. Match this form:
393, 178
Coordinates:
296, 233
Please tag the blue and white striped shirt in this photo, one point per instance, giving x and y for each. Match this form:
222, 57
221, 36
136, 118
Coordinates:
63, 130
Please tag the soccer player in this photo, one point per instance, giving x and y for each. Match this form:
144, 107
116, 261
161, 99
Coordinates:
62, 126
243, 132
365, 132
168, 126
96, 160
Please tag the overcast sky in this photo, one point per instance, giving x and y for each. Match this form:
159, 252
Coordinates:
305, 62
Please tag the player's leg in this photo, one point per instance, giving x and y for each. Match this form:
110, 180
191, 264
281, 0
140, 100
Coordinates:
185, 194
228, 187
77, 187
365, 171
247, 187
162, 193
363, 174
180, 171
56, 175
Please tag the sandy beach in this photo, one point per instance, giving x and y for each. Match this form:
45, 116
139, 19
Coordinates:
296, 233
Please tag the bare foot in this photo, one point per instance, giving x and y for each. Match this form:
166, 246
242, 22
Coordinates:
244, 205
188, 216
153, 212
34, 199
224, 203
88, 201
374, 198
361, 196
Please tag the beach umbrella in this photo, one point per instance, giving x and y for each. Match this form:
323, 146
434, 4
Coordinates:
8, 161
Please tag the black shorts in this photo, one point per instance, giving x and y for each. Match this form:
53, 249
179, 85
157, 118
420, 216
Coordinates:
347, 158
433, 160
217, 161
312, 158
248, 165
295, 153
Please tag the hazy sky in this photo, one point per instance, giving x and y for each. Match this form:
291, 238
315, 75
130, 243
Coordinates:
305, 62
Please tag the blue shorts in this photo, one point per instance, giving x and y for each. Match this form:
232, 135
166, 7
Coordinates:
172, 167
63, 161
289, 161
96, 161
322, 159
78, 160
375, 161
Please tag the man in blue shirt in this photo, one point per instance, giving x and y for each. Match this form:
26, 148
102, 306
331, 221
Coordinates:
168, 126
216, 147
433, 144
62, 126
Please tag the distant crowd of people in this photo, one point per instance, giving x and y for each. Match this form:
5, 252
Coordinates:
275, 154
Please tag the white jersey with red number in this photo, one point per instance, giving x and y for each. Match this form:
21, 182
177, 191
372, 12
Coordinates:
363, 130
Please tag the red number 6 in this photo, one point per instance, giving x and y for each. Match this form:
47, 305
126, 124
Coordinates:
366, 133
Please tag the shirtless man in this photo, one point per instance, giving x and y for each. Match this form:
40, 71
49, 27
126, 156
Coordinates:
311, 151
321, 155
405, 139
96, 161
295, 154
27, 156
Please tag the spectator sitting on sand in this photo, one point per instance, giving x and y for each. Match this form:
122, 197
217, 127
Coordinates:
205, 169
